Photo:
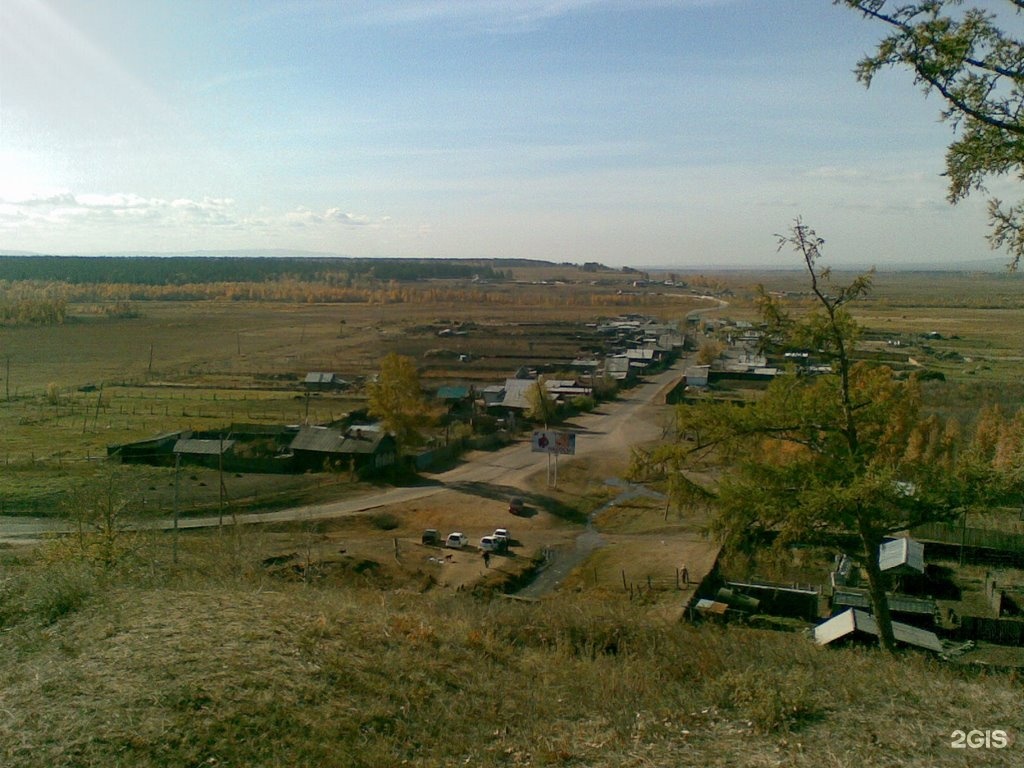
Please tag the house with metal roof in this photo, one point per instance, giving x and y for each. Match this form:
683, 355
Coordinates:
618, 368
854, 623
517, 394
365, 448
493, 394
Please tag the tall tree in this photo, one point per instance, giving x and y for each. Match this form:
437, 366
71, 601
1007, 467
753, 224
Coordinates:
396, 398
542, 403
825, 453
959, 51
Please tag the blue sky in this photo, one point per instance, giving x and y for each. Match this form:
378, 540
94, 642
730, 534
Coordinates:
632, 132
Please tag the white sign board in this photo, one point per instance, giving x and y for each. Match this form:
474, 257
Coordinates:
554, 441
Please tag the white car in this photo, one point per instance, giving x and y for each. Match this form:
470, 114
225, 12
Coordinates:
502, 534
489, 544
456, 540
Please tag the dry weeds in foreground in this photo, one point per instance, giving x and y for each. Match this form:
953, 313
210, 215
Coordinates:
223, 665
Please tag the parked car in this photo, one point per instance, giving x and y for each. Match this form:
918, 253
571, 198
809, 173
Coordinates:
516, 505
489, 544
431, 537
502, 535
456, 540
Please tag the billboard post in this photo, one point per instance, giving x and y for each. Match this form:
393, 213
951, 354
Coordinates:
553, 442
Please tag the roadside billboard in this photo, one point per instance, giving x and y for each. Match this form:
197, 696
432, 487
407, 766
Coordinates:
554, 441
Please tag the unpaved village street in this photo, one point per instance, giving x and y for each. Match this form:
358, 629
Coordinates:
609, 432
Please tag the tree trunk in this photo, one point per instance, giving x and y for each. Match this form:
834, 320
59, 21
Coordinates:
871, 541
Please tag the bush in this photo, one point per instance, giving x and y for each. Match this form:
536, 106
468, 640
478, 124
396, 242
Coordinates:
385, 521
583, 403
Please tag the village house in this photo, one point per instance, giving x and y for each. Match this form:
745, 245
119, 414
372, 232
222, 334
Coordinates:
363, 448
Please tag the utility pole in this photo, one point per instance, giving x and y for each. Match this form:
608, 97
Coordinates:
99, 402
177, 467
220, 469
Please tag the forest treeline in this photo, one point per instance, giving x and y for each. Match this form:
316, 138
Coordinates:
192, 270
46, 303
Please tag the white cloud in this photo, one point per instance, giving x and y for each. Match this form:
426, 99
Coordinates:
336, 214
62, 221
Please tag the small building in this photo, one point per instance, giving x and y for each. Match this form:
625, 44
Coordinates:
459, 401
453, 394
158, 450
641, 357
493, 394
516, 395
918, 611
206, 452
618, 368
365, 448
854, 623
697, 375
901, 557
321, 381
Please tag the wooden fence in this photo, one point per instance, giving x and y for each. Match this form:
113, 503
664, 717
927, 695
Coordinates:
999, 631
976, 538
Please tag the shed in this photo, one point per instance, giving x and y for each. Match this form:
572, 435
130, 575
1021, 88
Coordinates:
203, 451
919, 610
454, 393
155, 450
901, 556
853, 622
697, 375
711, 608
322, 381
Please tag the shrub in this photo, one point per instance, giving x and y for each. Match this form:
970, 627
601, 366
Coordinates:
583, 403
385, 521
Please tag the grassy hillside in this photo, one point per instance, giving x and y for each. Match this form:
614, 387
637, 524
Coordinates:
221, 661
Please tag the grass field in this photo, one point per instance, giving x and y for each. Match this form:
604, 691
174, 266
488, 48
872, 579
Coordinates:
222, 660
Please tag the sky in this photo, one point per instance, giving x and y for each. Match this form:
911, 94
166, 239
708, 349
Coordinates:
657, 133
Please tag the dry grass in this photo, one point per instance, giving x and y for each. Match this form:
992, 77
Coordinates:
226, 665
